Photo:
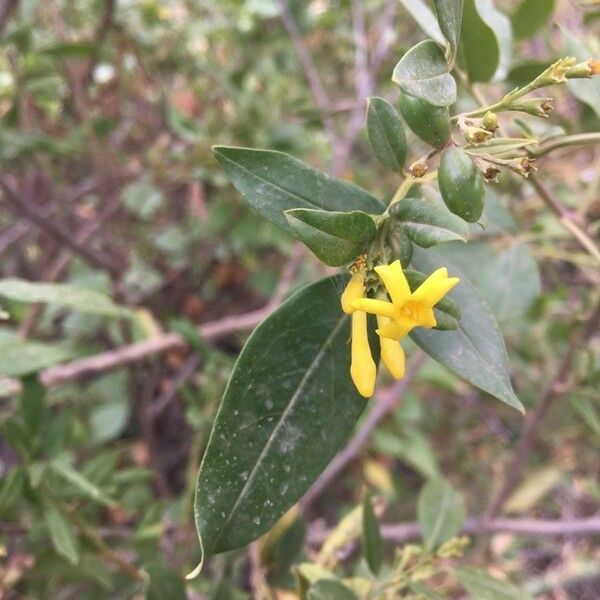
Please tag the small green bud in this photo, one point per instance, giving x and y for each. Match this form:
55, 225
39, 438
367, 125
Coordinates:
476, 135
490, 121
587, 68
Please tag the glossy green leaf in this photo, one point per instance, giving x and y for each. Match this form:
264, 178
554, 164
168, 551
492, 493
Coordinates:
61, 534
530, 17
32, 402
60, 294
449, 16
485, 41
330, 589
423, 72
427, 224
441, 512
476, 350
585, 90
336, 238
386, 134
274, 182
273, 434
20, 357
482, 586
371, 536
425, 18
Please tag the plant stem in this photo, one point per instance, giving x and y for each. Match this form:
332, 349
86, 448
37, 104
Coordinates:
568, 140
407, 185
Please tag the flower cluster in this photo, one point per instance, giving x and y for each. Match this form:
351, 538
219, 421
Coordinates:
396, 317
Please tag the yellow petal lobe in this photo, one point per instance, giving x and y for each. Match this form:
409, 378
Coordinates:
395, 282
363, 369
392, 354
375, 307
354, 290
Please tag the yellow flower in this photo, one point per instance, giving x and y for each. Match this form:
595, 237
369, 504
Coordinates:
363, 368
407, 309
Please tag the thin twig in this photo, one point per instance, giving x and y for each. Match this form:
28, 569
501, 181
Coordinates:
387, 400
405, 532
579, 139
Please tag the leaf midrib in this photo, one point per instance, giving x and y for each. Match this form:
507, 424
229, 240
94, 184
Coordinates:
289, 408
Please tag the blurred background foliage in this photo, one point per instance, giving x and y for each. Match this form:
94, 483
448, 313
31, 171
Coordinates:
108, 111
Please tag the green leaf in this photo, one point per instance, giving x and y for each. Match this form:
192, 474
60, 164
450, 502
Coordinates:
20, 357
273, 434
586, 410
62, 535
330, 589
530, 17
476, 350
386, 134
336, 238
13, 485
423, 72
427, 224
412, 447
500, 146
274, 182
425, 18
449, 16
32, 402
60, 294
165, 583
440, 511
80, 483
585, 90
424, 593
482, 586
485, 41
371, 536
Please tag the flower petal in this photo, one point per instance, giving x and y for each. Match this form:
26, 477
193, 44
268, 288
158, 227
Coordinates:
392, 354
396, 331
354, 290
434, 288
395, 282
375, 307
363, 369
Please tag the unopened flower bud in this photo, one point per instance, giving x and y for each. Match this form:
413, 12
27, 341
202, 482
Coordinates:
587, 68
490, 121
418, 169
476, 135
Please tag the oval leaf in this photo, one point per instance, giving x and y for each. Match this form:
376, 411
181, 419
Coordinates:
336, 238
386, 134
423, 72
530, 17
274, 182
427, 224
479, 53
476, 350
449, 16
62, 535
330, 589
441, 512
273, 434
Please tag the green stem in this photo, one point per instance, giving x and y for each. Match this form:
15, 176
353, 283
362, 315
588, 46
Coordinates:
407, 185
568, 140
